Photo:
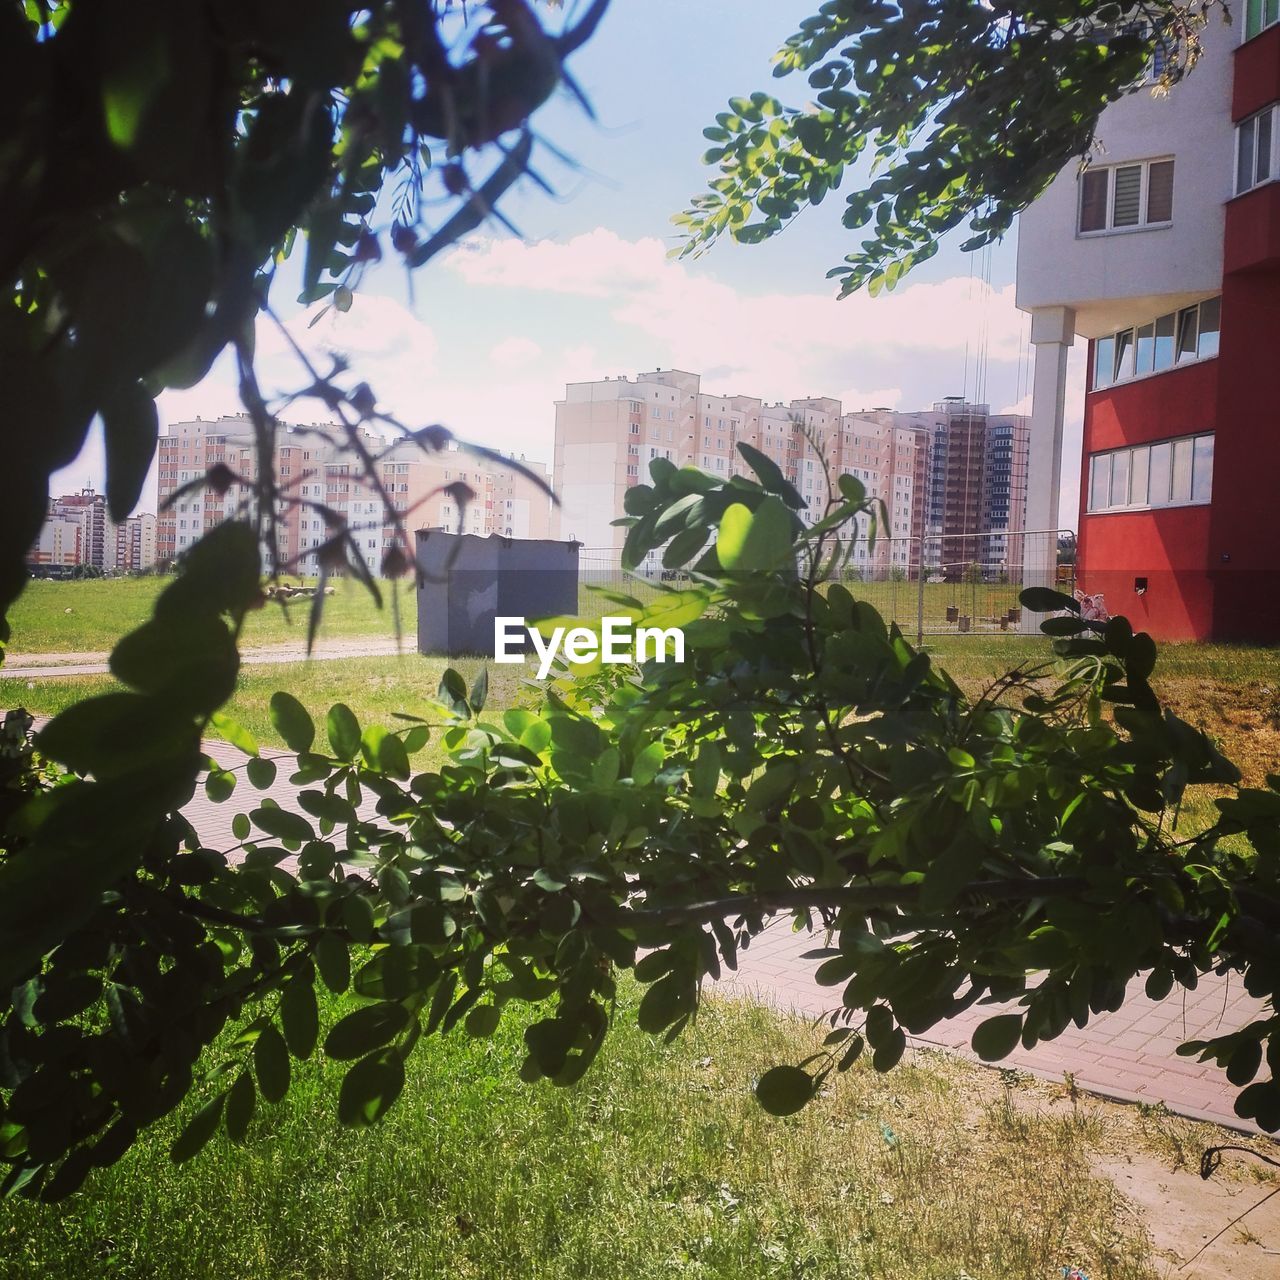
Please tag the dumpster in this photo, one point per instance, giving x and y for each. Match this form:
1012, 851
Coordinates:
468, 581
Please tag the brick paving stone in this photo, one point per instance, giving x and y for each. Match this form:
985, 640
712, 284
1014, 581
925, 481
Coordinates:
1127, 1054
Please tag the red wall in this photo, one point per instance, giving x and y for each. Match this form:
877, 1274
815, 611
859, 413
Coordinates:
1168, 547
1244, 535
1212, 571
1256, 76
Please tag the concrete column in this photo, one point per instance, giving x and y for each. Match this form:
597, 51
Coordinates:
1052, 333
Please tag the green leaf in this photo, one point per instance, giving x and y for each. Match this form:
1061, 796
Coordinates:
852, 489
241, 1100
683, 547
647, 763
665, 1002
271, 1062
282, 824
333, 962
1046, 600
365, 1030
344, 731
261, 772
232, 731
1140, 661
479, 691
291, 722
299, 1016
200, 1128
396, 973
756, 541
771, 477
370, 1088
219, 785
129, 430
357, 916
782, 1091
483, 1020
385, 752
1063, 626
997, 1037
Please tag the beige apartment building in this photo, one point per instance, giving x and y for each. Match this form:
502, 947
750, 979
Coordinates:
78, 531
608, 432
318, 472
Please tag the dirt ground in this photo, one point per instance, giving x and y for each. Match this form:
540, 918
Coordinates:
1153, 1160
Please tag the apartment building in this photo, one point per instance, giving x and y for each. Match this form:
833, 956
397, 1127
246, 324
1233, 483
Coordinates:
78, 531
320, 477
58, 545
609, 431
1164, 256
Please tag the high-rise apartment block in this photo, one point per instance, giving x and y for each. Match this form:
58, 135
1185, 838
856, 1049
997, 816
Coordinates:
955, 469
1164, 254
78, 531
319, 472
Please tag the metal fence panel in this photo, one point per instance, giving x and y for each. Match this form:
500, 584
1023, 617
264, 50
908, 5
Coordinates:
943, 584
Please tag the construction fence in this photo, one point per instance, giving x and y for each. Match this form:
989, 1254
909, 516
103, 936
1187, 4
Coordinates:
943, 584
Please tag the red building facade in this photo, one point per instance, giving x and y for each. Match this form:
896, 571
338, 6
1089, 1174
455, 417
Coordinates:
1172, 273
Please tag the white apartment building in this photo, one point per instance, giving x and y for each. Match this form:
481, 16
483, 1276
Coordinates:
321, 477
608, 432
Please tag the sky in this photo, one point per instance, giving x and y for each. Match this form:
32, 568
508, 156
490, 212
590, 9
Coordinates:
489, 333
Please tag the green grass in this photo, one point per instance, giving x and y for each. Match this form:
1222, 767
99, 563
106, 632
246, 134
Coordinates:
658, 1164
91, 615
374, 688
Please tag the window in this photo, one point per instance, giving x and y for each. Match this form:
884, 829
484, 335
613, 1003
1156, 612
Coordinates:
1171, 473
1126, 196
1123, 368
1210, 322
1202, 469
1259, 15
1180, 336
1256, 160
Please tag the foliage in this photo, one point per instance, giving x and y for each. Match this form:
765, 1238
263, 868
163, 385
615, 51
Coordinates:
965, 111
805, 759
161, 159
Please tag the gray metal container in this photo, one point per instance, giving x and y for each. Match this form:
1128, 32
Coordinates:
470, 581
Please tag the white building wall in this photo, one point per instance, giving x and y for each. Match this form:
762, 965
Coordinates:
1112, 278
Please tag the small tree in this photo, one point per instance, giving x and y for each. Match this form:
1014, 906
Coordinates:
805, 760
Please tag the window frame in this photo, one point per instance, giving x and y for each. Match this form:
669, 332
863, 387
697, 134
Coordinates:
1144, 196
1256, 20
1271, 113
1153, 460
1111, 349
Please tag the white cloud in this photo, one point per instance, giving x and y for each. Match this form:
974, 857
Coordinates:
777, 345
516, 352
385, 344
885, 398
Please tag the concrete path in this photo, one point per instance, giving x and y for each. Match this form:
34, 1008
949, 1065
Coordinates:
42, 666
1127, 1055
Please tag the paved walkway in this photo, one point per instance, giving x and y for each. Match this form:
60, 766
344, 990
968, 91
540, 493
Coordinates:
1127, 1055
45, 665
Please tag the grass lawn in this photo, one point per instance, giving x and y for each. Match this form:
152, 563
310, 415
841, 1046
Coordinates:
91, 615
1231, 691
658, 1164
